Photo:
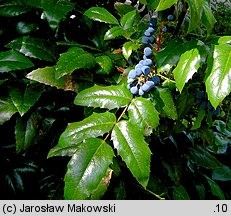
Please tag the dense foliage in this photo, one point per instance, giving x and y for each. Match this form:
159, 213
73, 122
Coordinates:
111, 100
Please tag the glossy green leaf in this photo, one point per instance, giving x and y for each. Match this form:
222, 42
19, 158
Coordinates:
222, 174
25, 98
93, 126
109, 97
105, 63
164, 102
165, 4
143, 114
152, 4
74, 58
33, 47
215, 189
55, 11
128, 20
204, 159
207, 17
218, 82
222, 127
143, 1
199, 118
170, 55
127, 49
101, 14
113, 32
24, 134
86, 169
122, 8
12, 60
7, 109
189, 63
130, 145
11, 8
179, 193
47, 76
195, 8
24, 28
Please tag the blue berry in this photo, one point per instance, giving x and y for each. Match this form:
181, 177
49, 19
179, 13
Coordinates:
144, 57
134, 90
145, 70
151, 39
141, 62
150, 83
132, 74
138, 72
170, 17
147, 33
141, 92
153, 21
138, 66
129, 80
151, 30
145, 87
156, 80
145, 40
148, 62
148, 51
164, 29
129, 85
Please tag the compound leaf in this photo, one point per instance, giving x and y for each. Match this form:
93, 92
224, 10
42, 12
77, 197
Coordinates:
218, 82
189, 63
55, 11
74, 58
91, 127
7, 109
33, 47
143, 114
109, 97
101, 14
12, 60
130, 145
86, 169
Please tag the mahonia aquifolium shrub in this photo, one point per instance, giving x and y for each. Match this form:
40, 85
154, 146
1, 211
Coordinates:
143, 77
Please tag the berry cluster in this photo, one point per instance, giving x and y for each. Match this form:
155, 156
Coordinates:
202, 101
167, 28
142, 78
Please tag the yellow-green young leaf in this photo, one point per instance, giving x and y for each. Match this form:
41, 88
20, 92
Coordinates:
25, 97
113, 33
47, 76
74, 58
218, 82
195, 8
7, 109
215, 189
179, 193
55, 10
34, 47
109, 97
128, 19
207, 17
105, 63
128, 47
165, 4
94, 126
12, 60
129, 142
101, 14
189, 63
86, 169
143, 114
11, 8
